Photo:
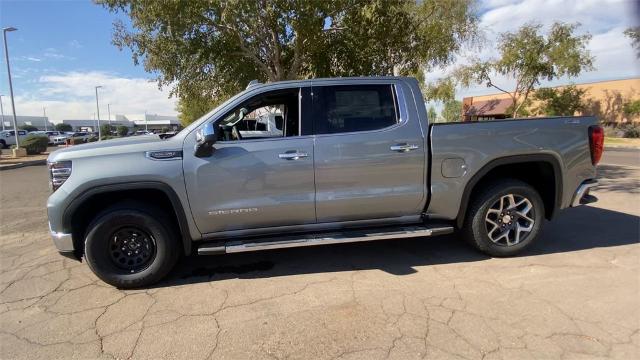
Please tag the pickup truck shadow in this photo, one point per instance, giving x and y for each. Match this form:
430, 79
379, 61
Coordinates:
572, 230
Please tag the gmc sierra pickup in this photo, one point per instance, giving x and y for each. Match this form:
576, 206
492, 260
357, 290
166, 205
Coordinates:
314, 162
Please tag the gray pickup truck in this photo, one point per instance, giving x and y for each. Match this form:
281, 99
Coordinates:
314, 162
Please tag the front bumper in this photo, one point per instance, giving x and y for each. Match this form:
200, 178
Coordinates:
62, 241
582, 196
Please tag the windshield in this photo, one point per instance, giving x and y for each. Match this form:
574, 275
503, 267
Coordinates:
208, 115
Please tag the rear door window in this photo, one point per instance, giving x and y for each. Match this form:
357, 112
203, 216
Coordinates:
352, 108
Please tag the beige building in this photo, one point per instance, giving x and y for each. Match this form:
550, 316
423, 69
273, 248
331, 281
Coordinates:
604, 99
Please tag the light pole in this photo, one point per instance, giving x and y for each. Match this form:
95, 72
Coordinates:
2, 111
13, 105
98, 112
44, 114
109, 115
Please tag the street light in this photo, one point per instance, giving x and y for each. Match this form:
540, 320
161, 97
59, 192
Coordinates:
109, 115
2, 111
98, 112
44, 114
13, 105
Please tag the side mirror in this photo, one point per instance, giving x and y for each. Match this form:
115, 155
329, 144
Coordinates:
205, 138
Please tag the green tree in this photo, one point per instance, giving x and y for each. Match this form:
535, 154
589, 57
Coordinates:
440, 90
563, 101
208, 50
528, 57
122, 130
29, 128
432, 114
64, 127
631, 108
633, 33
452, 111
106, 129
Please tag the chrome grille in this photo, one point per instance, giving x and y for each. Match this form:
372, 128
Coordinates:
59, 172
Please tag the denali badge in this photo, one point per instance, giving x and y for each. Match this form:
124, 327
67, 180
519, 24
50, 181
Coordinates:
232, 211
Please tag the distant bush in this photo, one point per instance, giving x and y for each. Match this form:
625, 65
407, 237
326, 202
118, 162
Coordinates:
64, 127
612, 131
122, 130
76, 141
92, 139
35, 144
631, 131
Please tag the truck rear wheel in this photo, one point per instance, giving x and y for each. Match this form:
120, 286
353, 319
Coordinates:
504, 218
131, 246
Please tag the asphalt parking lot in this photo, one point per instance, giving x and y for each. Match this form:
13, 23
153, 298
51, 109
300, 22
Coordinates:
573, 294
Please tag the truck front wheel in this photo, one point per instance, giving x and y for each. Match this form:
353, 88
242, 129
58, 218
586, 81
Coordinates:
131, 246
504, 218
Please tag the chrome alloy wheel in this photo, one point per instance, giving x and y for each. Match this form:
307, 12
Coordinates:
509, 220
132, 249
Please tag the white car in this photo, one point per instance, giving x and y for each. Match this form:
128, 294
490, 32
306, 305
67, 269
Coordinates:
50, 134
59, 140
8, 137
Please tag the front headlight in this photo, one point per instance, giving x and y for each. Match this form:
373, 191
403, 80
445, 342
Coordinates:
59, 172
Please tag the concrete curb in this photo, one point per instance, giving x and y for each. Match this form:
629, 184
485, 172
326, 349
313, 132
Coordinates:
24, 164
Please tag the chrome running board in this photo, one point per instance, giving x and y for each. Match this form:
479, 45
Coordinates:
341, 237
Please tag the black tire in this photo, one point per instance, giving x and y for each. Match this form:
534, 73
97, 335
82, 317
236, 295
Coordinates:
478, 222
141, 222
3, 144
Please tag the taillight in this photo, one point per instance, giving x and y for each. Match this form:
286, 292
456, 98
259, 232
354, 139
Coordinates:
59, 172
596, 143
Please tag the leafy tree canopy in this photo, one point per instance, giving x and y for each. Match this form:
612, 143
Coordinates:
452, 110
64, 127
563, 101
632, 107
208, 50
528, 56
634, 34
432, 114
122, 130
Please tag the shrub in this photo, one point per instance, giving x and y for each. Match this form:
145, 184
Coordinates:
35, 144
612, 131
122, 130
76, 141
631, 131
92, 139
64, 127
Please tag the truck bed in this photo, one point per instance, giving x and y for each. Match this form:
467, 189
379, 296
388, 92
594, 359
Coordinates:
460, 152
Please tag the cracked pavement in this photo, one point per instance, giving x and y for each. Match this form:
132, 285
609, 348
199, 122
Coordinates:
573, 294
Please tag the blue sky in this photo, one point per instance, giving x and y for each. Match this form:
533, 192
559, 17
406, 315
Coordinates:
63, 49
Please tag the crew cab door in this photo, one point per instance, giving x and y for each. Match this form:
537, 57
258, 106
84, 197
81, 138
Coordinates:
369, 155
260, 173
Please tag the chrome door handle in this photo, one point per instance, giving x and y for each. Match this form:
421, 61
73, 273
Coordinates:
404, 147
293, 155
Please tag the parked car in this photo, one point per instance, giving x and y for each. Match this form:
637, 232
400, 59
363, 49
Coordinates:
8, 137
50, 134
351, 159
142, 132
60, 138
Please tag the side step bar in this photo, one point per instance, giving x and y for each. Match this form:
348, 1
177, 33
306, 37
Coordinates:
341, 237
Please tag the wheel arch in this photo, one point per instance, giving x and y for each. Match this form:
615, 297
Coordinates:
546, 175
81, 209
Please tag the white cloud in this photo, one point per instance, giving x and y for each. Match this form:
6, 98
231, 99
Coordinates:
74, 44
605, 20
55, 54
72, 96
